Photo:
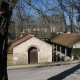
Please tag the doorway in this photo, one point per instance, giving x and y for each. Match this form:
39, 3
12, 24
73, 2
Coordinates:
32, 55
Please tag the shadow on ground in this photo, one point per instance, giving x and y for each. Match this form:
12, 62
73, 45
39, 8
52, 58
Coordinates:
64, 74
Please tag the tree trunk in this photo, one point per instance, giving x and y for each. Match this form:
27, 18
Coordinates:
4, 23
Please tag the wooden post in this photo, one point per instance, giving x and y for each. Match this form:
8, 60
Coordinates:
53, 52
60, 53
56, 52
65, 54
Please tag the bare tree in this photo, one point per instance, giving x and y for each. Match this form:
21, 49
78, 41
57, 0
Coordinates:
6, 8
44, 8
77, 6
69, 12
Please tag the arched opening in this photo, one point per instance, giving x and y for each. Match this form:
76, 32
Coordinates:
32, 55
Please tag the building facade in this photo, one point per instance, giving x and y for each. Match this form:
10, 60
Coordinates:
30, 49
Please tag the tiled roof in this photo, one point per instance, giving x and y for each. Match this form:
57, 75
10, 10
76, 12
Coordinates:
66, 39
22, 39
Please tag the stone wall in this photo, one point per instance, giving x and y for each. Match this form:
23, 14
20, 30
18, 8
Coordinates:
77, 45
20, 52
10, 59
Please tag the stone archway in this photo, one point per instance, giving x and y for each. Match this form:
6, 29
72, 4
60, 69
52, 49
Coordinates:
32, 55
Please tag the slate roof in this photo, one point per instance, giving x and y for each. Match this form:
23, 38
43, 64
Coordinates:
66, 39
22, 39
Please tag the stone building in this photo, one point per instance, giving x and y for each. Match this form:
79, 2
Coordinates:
29, 49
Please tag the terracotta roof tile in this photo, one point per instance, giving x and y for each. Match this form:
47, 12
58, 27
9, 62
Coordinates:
22, 39
66, 39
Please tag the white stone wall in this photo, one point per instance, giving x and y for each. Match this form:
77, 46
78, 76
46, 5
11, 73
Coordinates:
77, 45
20, 52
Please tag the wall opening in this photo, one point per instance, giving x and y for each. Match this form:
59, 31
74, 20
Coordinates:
32, 55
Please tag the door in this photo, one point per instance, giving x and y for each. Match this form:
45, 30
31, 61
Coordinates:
32, 55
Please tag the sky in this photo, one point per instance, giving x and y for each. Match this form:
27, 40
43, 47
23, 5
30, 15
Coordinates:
48, 4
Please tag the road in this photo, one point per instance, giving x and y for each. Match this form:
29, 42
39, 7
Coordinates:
60, 72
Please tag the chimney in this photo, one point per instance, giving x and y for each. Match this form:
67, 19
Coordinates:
21, 34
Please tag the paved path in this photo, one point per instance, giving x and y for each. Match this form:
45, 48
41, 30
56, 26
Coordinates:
42, 64
59, 72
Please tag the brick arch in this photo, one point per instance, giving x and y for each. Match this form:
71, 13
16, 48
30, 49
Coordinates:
33, 46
